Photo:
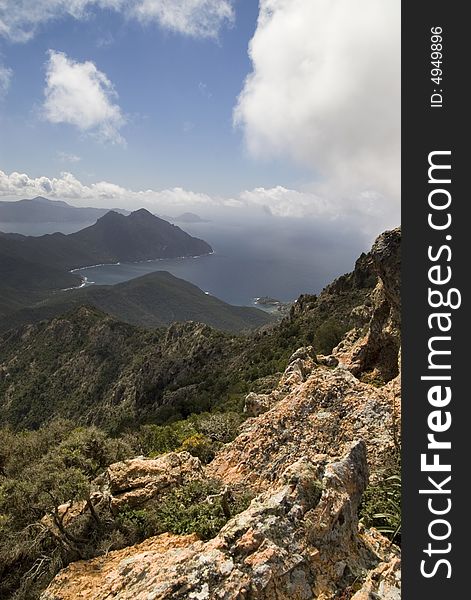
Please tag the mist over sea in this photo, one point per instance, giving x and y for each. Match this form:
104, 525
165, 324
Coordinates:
280, 258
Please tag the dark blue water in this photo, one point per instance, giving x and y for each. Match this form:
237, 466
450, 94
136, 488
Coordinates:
281, 258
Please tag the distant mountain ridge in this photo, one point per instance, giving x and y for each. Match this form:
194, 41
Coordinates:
43, 210
113, 238
33, 268
189, 217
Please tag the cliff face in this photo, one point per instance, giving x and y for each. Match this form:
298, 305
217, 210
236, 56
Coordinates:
376, 350
307, 454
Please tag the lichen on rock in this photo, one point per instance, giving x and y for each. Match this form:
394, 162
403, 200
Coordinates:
299, 539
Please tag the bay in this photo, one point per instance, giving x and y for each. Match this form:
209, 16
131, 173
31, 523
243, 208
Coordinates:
279, 258
249, 261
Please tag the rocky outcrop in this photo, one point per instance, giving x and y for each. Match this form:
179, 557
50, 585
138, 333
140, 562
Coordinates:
373, 349
131, 484
298, 540
386, 255
256, 404
319, 417
300, 365
139, 480
383, 583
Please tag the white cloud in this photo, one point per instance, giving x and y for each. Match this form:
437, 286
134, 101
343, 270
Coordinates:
368, 207
68, 187
282, 202
19, 19
325, 91
365, 211
81, 95
199, 18
5, 79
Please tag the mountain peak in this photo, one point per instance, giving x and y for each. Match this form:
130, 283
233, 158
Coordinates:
110, 217
140, 215
142, 212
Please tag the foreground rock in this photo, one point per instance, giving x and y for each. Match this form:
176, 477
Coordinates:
298, 540
316, 420
384, 582
139, 480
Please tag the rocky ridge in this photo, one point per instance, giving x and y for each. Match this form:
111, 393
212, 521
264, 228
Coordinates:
295, 541
307, 450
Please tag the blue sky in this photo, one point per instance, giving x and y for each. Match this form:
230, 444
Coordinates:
130, 102
178, 93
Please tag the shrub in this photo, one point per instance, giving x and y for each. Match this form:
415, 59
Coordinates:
90, 450
153, 440
328, 335
200, 446
134, 524
201, 507
218, 427
381, 507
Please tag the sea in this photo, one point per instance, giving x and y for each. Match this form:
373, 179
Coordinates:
278, 258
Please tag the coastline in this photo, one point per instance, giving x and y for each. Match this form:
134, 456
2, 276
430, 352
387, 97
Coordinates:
86, 281
137, 262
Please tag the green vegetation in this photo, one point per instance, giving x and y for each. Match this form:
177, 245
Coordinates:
201, 435
114, 237
40, 471
46, 474
33, 268
201, 507
96, 370
381, 507
151, 301
93, 369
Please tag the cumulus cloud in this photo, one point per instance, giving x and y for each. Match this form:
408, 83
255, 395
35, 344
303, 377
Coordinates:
5, 78
368, 208
276, 202
20, 19
81, 95
325, 91
68, 187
